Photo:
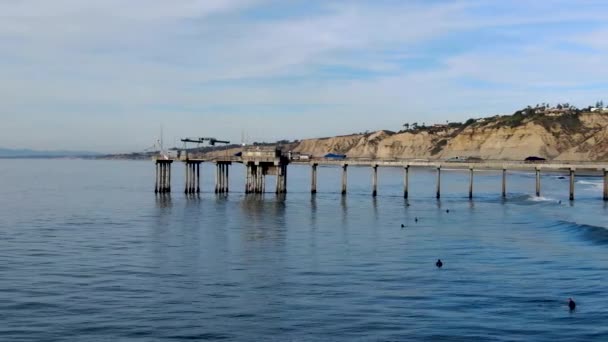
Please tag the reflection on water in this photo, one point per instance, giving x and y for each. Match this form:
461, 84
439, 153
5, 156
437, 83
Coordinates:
163, 200
265, 220
344, 206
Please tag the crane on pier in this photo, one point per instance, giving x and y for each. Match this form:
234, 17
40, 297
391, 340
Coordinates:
201, 140
212, 141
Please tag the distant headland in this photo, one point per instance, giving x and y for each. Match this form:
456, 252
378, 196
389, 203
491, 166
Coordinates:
8, 153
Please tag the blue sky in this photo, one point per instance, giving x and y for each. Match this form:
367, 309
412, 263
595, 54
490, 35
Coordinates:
104, 75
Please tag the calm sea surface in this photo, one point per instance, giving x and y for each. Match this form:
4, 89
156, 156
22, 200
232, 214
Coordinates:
89, 253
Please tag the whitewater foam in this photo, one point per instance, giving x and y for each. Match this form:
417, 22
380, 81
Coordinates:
594, 185
541, 199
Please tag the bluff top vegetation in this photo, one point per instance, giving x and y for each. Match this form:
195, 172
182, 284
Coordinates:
564, 115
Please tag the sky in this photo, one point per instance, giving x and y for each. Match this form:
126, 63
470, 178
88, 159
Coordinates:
105, 75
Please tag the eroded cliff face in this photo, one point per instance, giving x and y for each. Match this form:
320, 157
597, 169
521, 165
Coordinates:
580, 138
502, 143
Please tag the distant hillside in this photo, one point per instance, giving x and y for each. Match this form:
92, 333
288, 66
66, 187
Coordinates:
27, 153
556, 133
552, 133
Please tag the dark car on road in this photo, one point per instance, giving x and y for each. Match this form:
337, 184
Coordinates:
534, 159
335, 156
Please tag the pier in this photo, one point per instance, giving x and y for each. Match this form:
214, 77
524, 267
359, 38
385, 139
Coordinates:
261, 162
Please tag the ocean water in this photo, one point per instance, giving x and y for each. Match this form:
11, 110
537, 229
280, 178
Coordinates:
89, 253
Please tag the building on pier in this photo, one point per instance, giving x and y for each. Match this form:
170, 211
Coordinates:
261, 161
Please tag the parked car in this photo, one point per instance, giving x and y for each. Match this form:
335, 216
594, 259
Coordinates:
335, 156
534, 159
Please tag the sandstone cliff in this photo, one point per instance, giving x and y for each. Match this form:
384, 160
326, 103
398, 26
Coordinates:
576, 137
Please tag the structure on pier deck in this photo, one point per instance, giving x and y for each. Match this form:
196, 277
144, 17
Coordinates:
261, 161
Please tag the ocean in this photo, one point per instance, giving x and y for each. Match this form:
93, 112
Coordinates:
88, 252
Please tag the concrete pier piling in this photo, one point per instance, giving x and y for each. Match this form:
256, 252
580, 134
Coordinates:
605, 184
406, 181
189, 179
227, 178
572, 172
258, 179
222, 185
224, 173
192, 178
374, 180
281, 179
186, 178
198, 177
471, 183
248, 177
313, 182
285, 179
218, 178
159, 177
438, 192
537, 182
255, 179
278, 180
344, 178
163, 176
169, 178
221, 177
504, 183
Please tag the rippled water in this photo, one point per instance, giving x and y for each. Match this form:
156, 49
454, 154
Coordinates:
89, 253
